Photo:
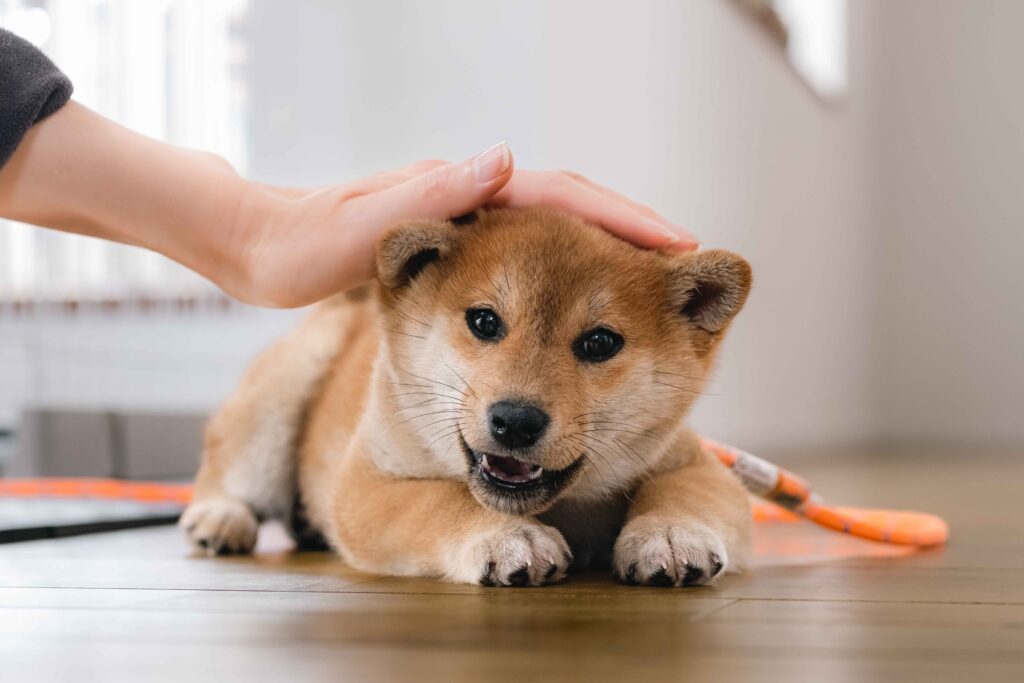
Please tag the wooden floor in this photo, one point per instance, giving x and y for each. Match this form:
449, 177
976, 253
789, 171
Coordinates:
817, 606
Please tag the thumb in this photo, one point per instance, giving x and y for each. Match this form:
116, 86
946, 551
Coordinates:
444, 192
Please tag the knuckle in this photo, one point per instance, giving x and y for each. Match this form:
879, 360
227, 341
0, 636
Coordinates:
562, 180
435, 185
573, 175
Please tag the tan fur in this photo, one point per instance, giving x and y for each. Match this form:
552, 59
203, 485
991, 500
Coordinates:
367, 419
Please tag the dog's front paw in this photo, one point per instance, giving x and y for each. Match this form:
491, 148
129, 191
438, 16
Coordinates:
524, 553
663, 552
220, 526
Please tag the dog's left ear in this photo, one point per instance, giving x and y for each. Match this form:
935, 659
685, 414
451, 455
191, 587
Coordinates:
710, 287
405, 252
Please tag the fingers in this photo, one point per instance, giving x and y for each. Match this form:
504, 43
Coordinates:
442, 191
374, 183
386, 179
575, 194
645, 210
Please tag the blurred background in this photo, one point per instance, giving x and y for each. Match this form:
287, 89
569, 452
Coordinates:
864, 156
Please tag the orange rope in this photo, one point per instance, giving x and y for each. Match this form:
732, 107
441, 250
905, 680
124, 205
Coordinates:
790, 499
113, 489
786, 490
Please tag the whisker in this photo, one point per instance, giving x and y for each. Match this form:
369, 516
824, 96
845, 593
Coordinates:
692, 392
487, 295
410, 318
645, 471
431, 400
626, 424
679, 374
604, 459
416, 405
404, 334
420, 431
448, 450
422, 415
508, 284
462, 378
619, 430
580, 453
445, 433
434, 381
406, 384
631, 454
425, 393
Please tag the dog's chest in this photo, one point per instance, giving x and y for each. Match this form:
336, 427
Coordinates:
590, 527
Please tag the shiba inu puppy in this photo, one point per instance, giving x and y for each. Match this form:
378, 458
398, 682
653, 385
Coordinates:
506, 401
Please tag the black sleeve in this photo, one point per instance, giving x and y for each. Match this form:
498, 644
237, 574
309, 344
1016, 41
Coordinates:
31, 88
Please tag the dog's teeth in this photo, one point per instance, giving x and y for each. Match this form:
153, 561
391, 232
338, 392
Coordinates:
536, 471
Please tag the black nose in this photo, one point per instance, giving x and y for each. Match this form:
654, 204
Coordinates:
516, 425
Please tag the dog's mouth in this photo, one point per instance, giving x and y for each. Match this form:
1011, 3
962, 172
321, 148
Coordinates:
505, 471
515, 485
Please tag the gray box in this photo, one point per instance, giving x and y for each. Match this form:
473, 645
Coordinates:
125, 445
64, 443
159, 446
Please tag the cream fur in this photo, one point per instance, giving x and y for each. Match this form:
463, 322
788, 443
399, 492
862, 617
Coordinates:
361, 418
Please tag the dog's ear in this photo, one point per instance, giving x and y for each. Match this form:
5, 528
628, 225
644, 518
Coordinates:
410, 248
709, 288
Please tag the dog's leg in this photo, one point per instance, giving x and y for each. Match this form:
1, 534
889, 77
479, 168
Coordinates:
434, 527
685, 526
248, 468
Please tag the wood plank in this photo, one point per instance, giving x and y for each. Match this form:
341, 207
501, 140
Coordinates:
33, 661
403, 637
134, 605
515, 626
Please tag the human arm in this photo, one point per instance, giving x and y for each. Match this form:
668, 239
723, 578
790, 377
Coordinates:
77, 171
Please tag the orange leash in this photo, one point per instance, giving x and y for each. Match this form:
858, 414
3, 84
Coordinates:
114, 489
762, 478
787, 490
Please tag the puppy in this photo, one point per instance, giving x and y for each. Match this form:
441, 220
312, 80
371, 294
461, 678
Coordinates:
505, 402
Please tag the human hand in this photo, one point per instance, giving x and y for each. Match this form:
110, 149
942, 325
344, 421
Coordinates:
292, 247
79, 172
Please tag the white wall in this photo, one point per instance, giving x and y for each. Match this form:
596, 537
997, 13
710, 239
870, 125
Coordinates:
685, 106
884, 233
133, 361
950, 191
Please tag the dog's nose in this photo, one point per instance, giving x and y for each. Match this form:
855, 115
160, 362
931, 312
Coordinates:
515, 424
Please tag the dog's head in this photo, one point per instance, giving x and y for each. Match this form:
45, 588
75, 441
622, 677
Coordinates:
545, 356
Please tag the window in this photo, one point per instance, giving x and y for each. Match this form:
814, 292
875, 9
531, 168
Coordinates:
813, 34
170, 69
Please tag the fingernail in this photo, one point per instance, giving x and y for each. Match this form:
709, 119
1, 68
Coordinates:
676, 239
490, 164
671, 237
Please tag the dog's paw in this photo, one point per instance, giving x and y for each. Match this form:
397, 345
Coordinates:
660, 552
220, 526
526, 553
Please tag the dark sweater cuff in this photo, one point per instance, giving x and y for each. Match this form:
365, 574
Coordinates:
31, 88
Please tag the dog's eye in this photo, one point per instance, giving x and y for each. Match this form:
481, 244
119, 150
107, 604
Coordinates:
484, 323
597, 345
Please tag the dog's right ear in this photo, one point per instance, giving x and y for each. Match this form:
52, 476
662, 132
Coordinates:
405, 251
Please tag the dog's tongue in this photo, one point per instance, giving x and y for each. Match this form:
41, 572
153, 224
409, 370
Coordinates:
510, 470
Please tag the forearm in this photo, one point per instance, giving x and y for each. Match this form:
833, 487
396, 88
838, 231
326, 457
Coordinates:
79, 172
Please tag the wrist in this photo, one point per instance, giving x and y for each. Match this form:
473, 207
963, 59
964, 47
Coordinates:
230, 252
184, 206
